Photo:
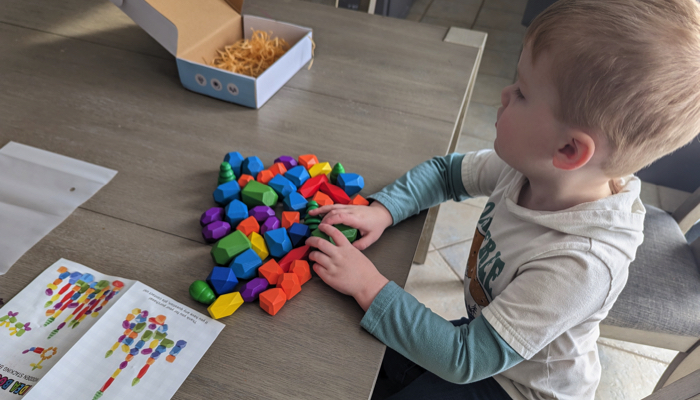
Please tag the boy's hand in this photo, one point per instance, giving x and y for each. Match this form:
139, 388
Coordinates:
344, 268
370, 220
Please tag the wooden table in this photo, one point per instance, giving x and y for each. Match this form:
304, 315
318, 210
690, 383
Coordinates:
79, 78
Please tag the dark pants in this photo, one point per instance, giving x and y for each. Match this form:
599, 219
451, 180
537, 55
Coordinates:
399, 378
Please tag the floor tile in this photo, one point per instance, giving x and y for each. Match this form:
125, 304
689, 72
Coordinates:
456, 256
626, 376
468, 143
487, 89
513, 6
480, 121
507, 21
501, 40
455, 223
654, 353
498, 63
650, 194
436, 285
670, 198
462, 12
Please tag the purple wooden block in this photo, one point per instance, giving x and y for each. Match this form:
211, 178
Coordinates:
216, 230
289, 162
253, 288
211, 215
270, 224
261, 213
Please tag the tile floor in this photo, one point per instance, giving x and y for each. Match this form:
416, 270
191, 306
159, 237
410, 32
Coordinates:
630, 371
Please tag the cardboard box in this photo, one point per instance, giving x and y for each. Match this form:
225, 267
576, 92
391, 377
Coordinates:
193, 30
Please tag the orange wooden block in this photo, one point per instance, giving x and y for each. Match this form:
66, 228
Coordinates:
289, 217
244, 179
322, 199
359, 201
301, 269
270, 271
289, 282
248, 226
300, 253
265, 176
308, 161
278, 168
272, 300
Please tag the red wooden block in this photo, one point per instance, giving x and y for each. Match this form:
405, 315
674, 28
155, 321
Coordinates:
249, 225
300, 253
278, 168
244, 179
265, 176
290, 284
288, 218
272, 300
359, 201
311, 186
337, 194
270, 271
301, 269
308, 161
322, 199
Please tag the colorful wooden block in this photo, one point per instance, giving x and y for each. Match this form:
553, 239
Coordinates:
282, 186
215, 231
298, 233
249, 225
225, 305
300, 253
317, 233
257, 243
235, 159
312, 221
225, 173
289, 218
272, 300
265, 176
359, 201
323, 168
351, 183
311, 186
289, 162
257, 194
278, 168
297, 175
308, 161
202, 292
235, 212
252, 289
222, 280
278, 242
302, 270
261, 213
246, 264
211, 215
270, 224
227, 192
337, 170
334, 192
348, 232
244, 179
322, 199
271, 271
252, 166
290, 284
294, 202
230, 246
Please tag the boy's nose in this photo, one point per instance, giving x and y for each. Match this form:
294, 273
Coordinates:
505, 95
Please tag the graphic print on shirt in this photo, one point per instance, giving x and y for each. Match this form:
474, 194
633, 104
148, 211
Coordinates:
484, 263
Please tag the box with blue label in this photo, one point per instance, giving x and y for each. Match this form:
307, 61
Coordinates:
195, 30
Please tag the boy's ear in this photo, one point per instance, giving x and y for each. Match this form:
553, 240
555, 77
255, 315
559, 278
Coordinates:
575, 152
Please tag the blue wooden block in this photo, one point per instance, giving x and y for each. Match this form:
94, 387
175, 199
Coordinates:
235, 212
246, 264
295, 202
283, 186
297, 175
222, 280
278, 242
351, 183
252, 166
298, 233
235, 159
226, 192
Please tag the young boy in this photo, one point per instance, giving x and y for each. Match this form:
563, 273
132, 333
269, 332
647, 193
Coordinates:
604, 88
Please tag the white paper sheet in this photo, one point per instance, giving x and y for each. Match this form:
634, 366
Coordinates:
38, 190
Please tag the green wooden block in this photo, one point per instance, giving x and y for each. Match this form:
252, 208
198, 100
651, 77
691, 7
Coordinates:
318, 233
230, 246
225, 173
348, 232
257, 194
337, 170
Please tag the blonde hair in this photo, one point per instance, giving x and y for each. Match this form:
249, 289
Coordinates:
628, 69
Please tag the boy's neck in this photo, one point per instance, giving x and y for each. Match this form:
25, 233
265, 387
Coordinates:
556, 195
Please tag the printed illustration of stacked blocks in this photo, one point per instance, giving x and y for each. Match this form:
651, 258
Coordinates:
255, 249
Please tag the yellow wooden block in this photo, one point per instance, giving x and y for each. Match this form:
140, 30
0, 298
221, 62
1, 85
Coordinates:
320, 168
257, 243
225, 305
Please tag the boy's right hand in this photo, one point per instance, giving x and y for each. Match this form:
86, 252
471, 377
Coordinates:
370, 220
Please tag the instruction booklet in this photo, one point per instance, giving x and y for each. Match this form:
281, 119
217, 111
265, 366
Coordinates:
75, 333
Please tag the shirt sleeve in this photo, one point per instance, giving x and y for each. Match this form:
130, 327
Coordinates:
458, 354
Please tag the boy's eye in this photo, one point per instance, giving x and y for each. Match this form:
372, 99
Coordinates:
519, 94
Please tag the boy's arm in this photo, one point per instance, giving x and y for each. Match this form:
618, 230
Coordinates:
462, 354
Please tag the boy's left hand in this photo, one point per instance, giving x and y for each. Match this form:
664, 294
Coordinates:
345, 268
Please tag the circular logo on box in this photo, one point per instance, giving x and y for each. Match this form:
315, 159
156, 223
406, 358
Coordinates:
216, 84
200, 79
233, 89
